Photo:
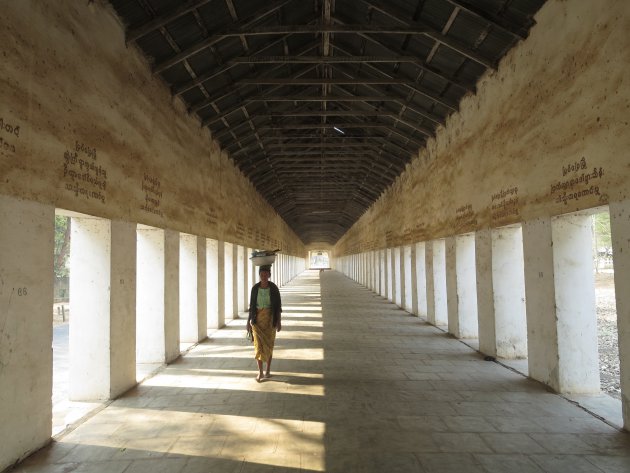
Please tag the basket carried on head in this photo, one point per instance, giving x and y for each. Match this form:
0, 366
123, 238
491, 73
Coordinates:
263, 257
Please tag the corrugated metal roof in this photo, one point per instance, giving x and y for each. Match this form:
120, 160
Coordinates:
322, 103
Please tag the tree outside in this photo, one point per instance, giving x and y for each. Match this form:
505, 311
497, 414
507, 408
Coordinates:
602, 243
62, 251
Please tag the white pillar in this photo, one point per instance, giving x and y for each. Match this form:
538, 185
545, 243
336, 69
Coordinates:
171, 294
451, 286
430, 286
509, 292
241, 272
393, 282
26, 298
222, 277
405, 266
576, 310
235, 279
188, 309
542, 333
228, 283
400, 276
561, 322
253, 275
123, 307
420, 286
439, 282
485, 293
369, 270
202, 289
150, 296
157, 305
384, 273
620, 232
373, 270
247, 277
102, 362
212, 283
363, 270
462, 286
277, 271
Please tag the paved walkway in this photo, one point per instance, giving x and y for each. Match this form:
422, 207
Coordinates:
359, 386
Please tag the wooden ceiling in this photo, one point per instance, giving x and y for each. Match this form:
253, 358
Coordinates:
322, 103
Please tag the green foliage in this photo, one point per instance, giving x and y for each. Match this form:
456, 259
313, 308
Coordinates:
601, 229
62, 245
602, 241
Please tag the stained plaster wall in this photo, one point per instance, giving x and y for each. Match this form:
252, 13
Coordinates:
73, 95
85, 127
556, 111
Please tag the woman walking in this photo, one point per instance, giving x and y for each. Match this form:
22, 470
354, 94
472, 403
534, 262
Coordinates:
265, 308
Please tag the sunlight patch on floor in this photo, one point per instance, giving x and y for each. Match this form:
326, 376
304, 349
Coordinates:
263, 441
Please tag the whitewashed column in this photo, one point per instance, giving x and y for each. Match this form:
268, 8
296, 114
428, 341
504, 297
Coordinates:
384, 284
542, 330
405, 266
451, 285
393, 281
364, 279
400, 276
576, 310
421, 279
485, 293
222, 277
123, 307
249, 276
241, 276
439, 282
171, 295
26, 298
509, 292
559, 284
212, 282
253, 273
375, 275
188, 287
430, 286
202, 289
228, 292
157, 305
235, 280
620, 232
462, 286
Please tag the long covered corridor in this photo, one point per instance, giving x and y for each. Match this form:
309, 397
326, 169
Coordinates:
358, 385
458, 170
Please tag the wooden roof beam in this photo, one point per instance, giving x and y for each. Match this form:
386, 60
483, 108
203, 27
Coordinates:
431, 32
244, 23
156, 23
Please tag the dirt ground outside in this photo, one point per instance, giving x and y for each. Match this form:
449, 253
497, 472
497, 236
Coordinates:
607, 333
61, 313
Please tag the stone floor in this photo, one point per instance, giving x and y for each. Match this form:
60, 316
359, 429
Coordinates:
359, 386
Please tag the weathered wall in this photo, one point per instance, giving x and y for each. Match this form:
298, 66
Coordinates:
546, 134
85, 127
